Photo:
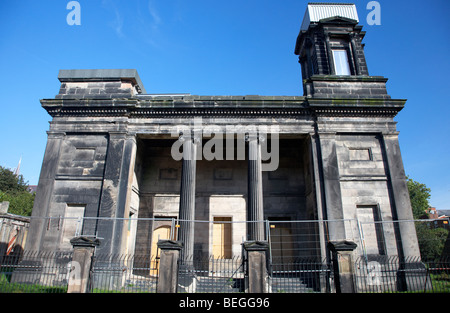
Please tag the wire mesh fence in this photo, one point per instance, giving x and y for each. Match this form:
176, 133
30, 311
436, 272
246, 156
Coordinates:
124, 274
297, 260
301, 275
388, 274
210, 274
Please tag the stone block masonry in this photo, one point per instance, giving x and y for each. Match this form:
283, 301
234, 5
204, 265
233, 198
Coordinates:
99, 84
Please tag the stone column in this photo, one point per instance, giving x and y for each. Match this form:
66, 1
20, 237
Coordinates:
168, 266
114, 199
187, 194
341, 252
83, 250
257, 266
255, 208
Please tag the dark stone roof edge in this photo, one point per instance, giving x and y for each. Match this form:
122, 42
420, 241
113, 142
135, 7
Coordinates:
216, 106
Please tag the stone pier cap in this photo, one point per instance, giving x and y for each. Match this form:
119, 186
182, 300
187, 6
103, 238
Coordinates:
343, 245
170, 244
85, 241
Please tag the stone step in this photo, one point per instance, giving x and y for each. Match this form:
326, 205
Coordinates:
288, 285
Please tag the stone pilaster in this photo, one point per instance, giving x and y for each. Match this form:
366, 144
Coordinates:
116, 187
332, 196
401, 203
44, 194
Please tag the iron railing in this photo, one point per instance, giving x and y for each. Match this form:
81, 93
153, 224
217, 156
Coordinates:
388, 274
298, 260
300, 275
124, 274
35, 272
211, 274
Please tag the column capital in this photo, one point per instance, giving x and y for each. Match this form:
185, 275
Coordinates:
118, 134
255, 136
393, 134
195, 137
56, 134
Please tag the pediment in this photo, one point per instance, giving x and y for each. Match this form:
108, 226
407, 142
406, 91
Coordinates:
338, 20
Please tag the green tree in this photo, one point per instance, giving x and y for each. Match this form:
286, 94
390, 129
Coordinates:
14, 190
431, 240
419, 195
11, 183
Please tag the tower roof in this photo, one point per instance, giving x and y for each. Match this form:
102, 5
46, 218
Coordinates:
318, 11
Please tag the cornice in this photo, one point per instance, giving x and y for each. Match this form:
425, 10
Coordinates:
247, 107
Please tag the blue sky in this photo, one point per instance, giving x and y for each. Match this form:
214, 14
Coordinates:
212, 47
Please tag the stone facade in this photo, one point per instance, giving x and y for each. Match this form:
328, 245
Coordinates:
109, 154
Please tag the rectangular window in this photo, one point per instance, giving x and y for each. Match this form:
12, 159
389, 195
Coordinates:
341, 64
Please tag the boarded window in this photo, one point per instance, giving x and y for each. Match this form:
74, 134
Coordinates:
222, 238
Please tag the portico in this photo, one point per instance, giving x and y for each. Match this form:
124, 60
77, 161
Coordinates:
116, 153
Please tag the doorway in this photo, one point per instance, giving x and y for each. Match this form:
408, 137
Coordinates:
221, 244
161, 233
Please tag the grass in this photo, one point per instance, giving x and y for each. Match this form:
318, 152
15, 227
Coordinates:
7, 287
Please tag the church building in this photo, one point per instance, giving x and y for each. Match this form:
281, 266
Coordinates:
131, 167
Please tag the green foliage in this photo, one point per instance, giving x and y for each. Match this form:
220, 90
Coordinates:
11, 183
14, 190
419, 195
431, 240
7, 287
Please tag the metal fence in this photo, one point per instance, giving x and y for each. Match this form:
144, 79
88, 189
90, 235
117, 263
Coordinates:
35, 272
210, 274
300, 275
392, 274
298, 259
124, 274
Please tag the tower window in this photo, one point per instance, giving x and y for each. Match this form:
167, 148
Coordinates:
341, 64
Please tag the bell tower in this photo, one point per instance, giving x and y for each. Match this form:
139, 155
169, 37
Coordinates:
331, 54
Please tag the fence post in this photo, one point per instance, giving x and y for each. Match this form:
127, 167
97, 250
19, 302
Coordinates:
168, 266
83, 250
257, 266
341, 252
